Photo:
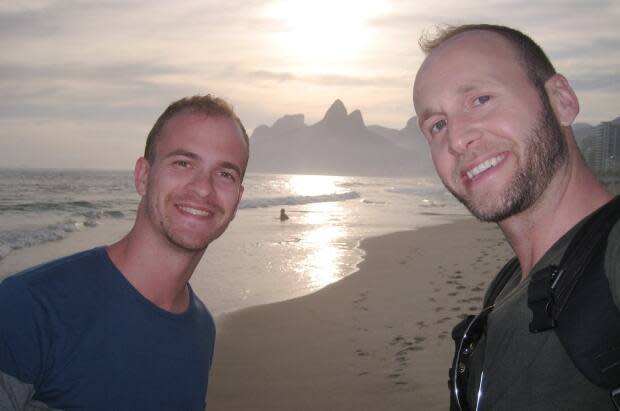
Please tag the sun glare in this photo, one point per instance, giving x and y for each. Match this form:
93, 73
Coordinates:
323, 31
312, 185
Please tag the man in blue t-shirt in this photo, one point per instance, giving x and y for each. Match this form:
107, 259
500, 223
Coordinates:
119, 327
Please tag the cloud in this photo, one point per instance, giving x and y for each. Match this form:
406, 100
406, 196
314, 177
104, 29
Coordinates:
116, 92
330, 79
96, 69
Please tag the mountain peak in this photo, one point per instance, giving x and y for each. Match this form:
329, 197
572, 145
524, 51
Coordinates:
356, 121
336, 111
412, 123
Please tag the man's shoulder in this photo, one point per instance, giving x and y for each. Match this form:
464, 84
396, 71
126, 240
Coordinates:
58, 271
201, 311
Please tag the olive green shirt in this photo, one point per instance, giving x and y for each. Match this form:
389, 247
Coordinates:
526, 371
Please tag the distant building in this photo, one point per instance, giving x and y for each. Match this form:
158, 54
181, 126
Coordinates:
601, 148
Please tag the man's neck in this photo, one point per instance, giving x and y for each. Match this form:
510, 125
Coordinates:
158, 270
568, 199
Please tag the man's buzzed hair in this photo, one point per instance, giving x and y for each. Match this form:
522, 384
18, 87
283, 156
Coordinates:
535, 62
208, 105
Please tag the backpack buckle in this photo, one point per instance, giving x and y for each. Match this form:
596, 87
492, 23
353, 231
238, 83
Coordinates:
541, 300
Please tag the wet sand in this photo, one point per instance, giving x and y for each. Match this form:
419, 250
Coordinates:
377, 340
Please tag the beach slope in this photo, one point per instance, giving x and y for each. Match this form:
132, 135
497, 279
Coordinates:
377, 340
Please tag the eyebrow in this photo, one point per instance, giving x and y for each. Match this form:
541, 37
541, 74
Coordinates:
194, 156
426, 114
465, 89
183, 153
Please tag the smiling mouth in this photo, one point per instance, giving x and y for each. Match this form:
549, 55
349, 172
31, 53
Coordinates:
194, 211
484, 166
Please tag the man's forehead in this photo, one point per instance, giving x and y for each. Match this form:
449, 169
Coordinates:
188, 125
471, 56
475, 42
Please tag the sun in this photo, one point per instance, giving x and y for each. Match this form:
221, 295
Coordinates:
319, 32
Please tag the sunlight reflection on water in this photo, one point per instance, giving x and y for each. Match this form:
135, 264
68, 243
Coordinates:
323, 233
323, 240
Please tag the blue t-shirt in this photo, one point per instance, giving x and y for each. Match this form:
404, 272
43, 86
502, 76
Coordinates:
84, 338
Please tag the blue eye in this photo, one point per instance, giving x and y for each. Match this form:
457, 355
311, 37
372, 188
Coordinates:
438, 126
182, 163
481, 100
228, 175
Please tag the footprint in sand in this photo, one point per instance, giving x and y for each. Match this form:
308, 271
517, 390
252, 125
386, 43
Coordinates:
362, 297
397, 339
404, 352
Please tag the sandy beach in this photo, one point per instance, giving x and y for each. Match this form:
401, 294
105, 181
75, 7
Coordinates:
377, 340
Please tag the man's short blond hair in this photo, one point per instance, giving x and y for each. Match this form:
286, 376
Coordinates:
208, 105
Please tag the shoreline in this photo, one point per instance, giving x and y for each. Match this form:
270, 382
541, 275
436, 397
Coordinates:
226, 294
379, 339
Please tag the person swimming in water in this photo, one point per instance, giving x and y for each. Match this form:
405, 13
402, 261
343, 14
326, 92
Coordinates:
283, 216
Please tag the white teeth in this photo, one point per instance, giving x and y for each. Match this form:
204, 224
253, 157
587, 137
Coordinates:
195, 212
485, 165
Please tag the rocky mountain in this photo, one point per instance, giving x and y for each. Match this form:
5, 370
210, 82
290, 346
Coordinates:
581, 130
339, 144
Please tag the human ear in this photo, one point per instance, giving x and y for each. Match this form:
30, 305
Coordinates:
141, 175
563, 99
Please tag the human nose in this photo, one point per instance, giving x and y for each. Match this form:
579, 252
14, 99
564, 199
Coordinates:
202, 184
462, 133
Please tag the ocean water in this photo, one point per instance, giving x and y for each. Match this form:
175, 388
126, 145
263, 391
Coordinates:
259, 259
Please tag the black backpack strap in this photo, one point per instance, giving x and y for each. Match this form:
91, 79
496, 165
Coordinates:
575, 299
551, 287
593, 241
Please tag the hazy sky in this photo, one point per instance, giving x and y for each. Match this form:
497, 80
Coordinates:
83, 81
